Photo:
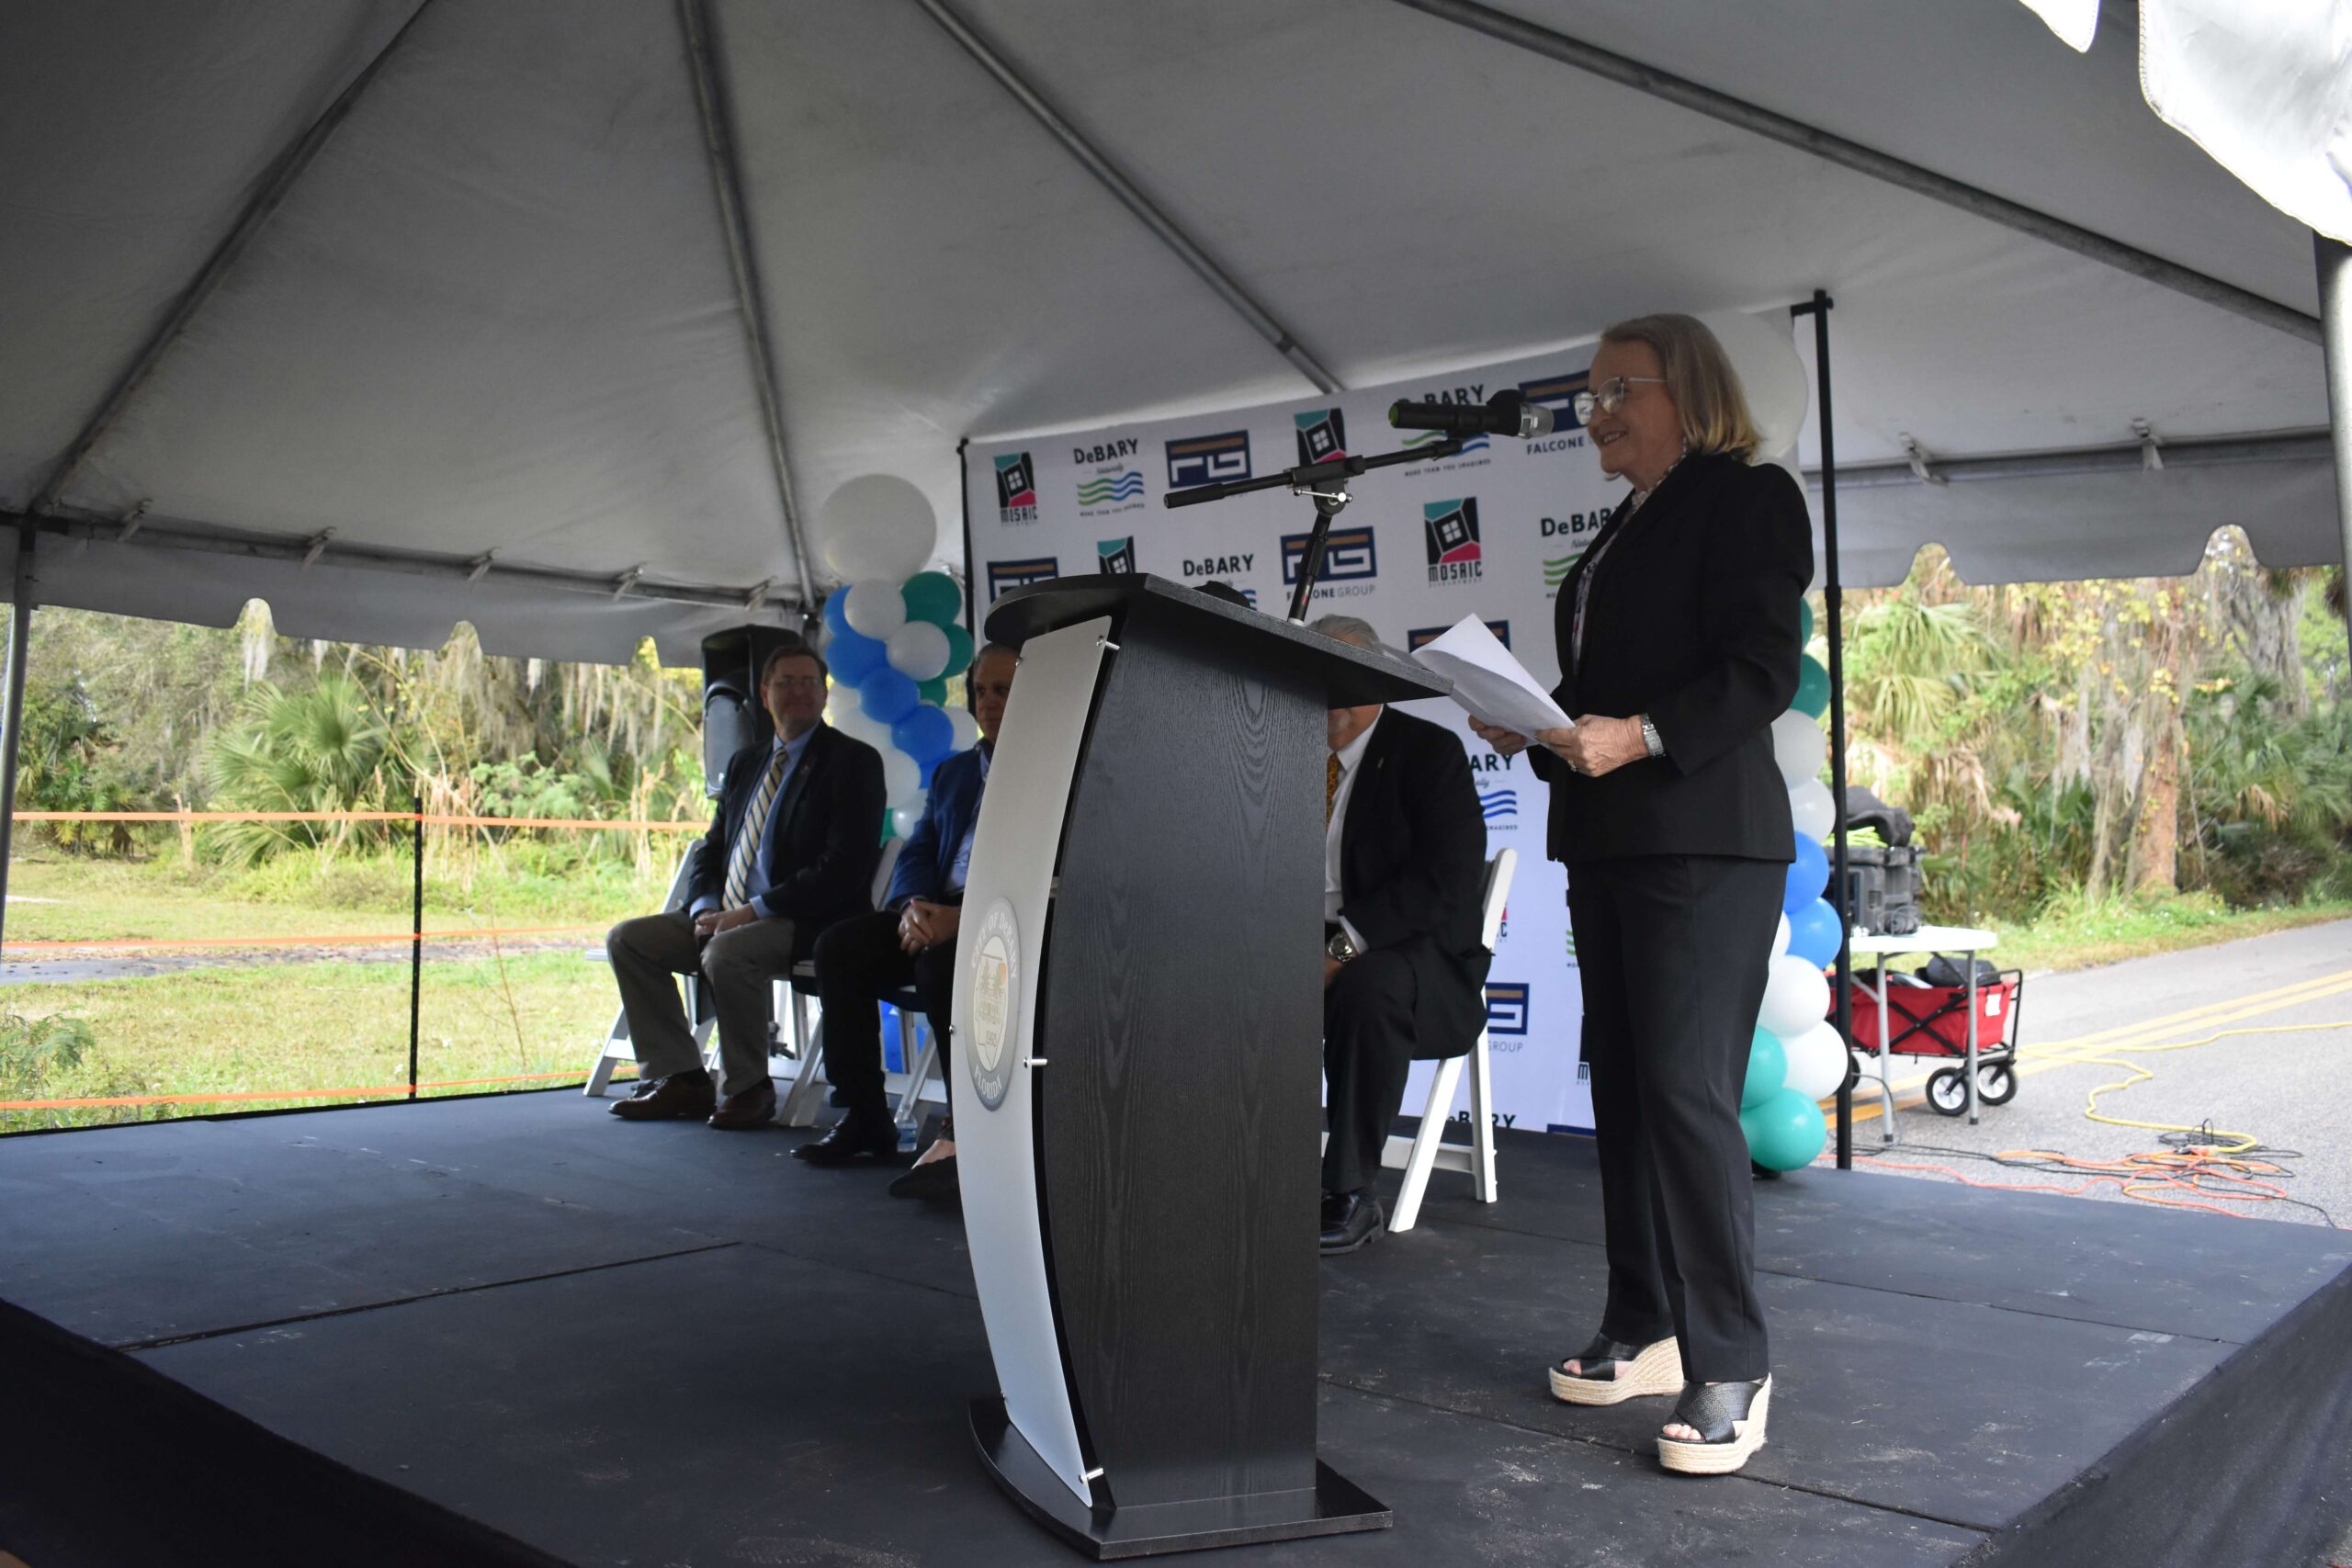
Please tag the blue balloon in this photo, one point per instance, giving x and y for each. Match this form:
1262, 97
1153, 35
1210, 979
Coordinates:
1808, 874
1812, 933
885, 695
926, 735
836, 617
1767, 1069
852, 656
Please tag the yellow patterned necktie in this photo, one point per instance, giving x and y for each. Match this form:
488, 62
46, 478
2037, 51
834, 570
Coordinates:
1330, 786
747, 837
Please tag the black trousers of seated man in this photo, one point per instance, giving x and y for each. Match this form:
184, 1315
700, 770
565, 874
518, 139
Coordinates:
1367, 1052
859, 961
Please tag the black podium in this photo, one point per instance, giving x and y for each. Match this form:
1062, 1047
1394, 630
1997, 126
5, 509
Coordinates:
1136, 1045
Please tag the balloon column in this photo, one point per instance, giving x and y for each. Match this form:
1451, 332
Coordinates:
1797, 1057
891, 636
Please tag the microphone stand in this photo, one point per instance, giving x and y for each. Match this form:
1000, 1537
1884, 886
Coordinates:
1326, 484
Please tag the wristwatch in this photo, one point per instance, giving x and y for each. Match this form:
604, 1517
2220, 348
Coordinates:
1340, 948
1649, 738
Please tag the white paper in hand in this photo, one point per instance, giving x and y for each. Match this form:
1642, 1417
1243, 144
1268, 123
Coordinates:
1488, 682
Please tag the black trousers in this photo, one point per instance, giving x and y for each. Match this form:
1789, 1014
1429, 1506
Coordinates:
1673, 952
1367, 1051
859, 961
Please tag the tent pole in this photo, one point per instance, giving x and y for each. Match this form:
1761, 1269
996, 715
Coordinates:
12, 716
1833, 598
2335, 262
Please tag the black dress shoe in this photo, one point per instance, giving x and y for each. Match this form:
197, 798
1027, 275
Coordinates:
679, 1095
859, 1133
936, 1179
754, 1107
1359, 1222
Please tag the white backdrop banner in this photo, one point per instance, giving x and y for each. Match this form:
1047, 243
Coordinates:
1490, 531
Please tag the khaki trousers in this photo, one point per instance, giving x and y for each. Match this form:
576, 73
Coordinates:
650, 950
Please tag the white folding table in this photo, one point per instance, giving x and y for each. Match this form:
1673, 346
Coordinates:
1964, 940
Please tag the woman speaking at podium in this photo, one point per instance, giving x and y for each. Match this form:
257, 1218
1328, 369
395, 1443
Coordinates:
1677, 635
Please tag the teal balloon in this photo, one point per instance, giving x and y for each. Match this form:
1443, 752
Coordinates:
959, 651
1804, 620
1767, 1069
1785, 1132
933, 691
1813, 687
933, 596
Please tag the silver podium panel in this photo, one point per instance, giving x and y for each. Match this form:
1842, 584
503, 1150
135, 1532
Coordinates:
993, 1038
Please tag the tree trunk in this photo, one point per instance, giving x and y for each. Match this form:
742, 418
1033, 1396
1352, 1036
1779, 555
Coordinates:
2155, 863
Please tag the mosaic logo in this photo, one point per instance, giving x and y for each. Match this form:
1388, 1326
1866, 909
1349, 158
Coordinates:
1559, 393
1348, 556
1117, 555
1016, 487
1207, 459
1449, 537
1007, 575
1421, 637
1506, 1008
1322, 436
1120, 487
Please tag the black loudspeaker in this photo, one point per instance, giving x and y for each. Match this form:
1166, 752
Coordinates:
732, 715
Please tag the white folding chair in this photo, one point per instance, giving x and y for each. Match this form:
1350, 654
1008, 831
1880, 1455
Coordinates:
802, 1035
1425, 1150
617, 1048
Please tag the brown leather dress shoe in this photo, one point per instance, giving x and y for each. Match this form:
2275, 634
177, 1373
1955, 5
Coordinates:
754, 1107
679, 1095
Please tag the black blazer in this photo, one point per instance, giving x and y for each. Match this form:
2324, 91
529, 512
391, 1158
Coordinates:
1693, 620
1412, 858
826, 844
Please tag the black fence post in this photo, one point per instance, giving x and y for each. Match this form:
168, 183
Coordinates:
416, 941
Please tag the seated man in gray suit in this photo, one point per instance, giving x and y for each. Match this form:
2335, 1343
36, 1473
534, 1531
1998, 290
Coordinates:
791, 849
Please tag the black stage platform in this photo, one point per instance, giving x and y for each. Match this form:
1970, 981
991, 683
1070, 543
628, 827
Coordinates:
662, 1344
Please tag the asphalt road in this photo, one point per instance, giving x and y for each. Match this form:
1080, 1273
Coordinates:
2286, 1085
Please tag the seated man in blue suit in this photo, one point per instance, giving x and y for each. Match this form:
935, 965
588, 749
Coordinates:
910, 941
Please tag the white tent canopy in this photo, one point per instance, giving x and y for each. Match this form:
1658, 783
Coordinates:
557, 319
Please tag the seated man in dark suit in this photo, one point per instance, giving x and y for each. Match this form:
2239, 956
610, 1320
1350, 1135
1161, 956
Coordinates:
791, 850
1404, 974
910, 941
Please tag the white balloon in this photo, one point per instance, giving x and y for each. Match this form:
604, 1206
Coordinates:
904, 817
1816, 1060
841, 709
901, 778
1815, 813
875, 608
1796, 997
1781, 938
968, 728
918, 650
877, 525
1763, 354
1798, 746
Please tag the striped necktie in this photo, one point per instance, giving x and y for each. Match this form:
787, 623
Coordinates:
1330, 786
747, 837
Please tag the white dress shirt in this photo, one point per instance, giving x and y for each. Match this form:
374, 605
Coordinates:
1350, 756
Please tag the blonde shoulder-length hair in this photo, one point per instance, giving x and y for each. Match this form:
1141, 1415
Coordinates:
1700, 379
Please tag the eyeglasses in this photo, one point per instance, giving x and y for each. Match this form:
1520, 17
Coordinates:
798, 683
1609, 396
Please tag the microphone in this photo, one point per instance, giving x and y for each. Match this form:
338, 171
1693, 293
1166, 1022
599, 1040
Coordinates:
1505, 413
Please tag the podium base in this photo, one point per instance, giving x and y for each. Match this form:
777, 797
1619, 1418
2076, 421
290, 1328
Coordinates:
1333, 1506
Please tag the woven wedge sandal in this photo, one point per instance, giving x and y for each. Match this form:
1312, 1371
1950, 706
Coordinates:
1729, 1418
1615, 1371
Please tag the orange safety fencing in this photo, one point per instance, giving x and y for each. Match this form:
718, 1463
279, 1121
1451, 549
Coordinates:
360, 1091
380, 938
430, 819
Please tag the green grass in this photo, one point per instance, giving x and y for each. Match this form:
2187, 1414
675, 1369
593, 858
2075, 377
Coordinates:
2070, 933
56, 898
320, 1025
